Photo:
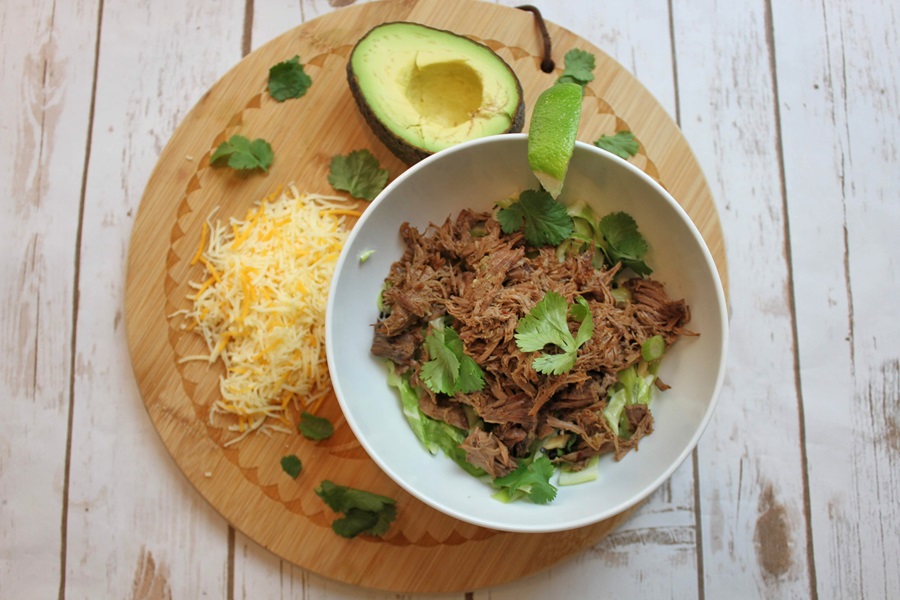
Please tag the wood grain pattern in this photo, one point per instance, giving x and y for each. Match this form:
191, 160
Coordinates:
791, 109
843, 72
244, 482
143, 89
45, 89
751, 477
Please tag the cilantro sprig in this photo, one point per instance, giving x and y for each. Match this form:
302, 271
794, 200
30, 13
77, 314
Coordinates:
614, 238
543, 220
241, 154
363, 512
291, 465
579, 67
449, 370
530, 479
622, 143
288, 80
624, 243
313, 427
547, 324
358, 173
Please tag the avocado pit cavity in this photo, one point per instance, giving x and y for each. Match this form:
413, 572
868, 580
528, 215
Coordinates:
446, 94
422, 89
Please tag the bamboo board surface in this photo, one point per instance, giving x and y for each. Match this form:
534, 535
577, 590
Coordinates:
424, 551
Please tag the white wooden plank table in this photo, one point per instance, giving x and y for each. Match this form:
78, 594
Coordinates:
793, 110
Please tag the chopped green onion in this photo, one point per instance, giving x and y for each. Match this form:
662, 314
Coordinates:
622, 295
590, 472
614, 408
653, 348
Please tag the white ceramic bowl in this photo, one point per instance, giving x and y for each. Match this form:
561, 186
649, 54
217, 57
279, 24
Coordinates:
476, 175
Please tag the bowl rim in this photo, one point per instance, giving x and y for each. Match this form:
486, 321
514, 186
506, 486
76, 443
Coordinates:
650, 487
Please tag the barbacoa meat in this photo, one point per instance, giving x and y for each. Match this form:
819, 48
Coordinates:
485, 280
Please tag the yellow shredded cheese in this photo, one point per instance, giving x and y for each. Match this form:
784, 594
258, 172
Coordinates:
260, 305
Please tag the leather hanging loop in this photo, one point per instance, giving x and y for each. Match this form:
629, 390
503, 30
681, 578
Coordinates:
547, 64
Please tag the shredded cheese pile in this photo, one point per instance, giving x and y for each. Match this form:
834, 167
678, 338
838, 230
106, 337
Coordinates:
261, 305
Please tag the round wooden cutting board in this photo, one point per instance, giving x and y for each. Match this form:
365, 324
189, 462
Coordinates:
424, 550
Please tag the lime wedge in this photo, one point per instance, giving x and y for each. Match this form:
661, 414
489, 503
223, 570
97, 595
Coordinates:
551, 134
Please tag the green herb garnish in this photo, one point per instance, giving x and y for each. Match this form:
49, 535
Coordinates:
241, 154
288, 80
579, 67
622, 144
543, 220
449, 370
314, 428
359, 174
364, 512
624, 243
547, 324
291, 465
531, 480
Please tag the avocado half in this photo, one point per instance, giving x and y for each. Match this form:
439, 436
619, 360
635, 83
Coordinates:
423, 89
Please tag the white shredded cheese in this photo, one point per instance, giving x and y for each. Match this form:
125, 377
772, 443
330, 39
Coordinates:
261, 305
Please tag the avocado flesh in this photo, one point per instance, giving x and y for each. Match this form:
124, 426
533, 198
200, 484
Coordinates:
423, 89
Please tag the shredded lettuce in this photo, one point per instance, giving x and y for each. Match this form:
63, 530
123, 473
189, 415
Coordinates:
590, 472
631, 388
433, 434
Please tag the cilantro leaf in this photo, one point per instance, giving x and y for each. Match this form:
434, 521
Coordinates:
241, 154
354, 522
291, 465
625, 243
543, 220
531, 480
364, 512
313, 427
288, 80
547, 324
449, 369
441, 371
340, 498
471, 377
580, 311
358, 173
554, 364
579, 67
386, 516
622, 144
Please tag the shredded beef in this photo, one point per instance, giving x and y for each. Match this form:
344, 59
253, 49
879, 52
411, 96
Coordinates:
443, 409
399, 348
485, 450
485, 280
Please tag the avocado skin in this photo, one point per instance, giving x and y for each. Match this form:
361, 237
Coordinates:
406, 152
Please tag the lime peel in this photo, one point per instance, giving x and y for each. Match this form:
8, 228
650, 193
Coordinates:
552, 132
